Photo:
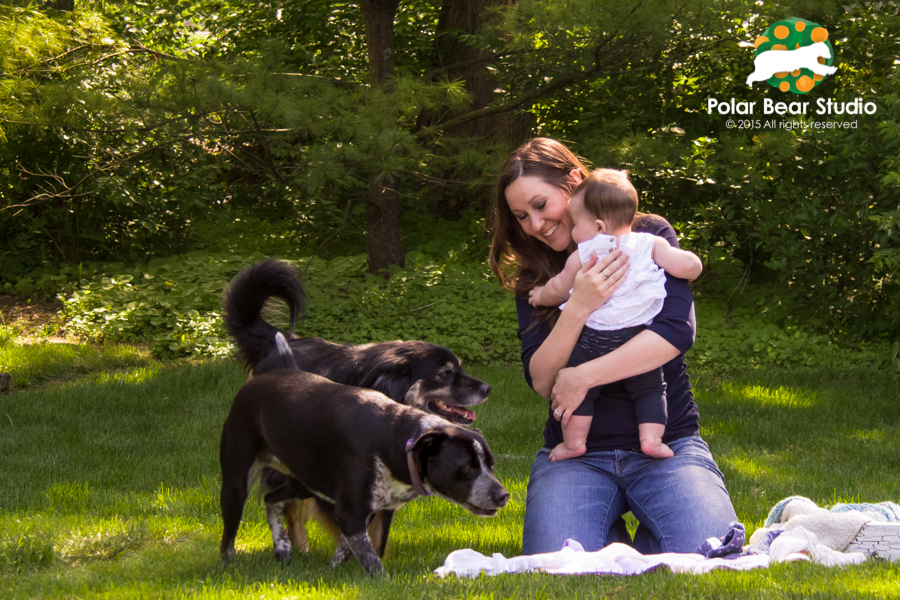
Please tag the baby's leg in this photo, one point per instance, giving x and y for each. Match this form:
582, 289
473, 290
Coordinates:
574, 438
651, 440
648, 391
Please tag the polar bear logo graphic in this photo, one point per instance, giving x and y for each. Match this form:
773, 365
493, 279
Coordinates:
793, 55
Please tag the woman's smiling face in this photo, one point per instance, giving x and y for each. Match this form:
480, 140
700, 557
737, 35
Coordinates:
542, 211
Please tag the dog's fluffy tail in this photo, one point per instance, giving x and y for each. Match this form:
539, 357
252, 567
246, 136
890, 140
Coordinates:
243, 304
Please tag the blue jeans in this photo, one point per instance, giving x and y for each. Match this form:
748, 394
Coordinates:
679, 501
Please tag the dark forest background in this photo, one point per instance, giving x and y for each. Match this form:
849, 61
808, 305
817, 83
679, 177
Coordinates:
136, 131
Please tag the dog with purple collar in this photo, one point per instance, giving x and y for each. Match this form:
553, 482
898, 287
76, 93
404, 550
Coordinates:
351, 447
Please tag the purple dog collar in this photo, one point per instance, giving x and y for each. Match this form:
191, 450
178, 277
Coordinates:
413, 472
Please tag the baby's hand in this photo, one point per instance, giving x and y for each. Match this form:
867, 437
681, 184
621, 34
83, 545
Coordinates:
534, 296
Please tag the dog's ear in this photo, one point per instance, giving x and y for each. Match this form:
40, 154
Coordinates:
429, 442
392, 378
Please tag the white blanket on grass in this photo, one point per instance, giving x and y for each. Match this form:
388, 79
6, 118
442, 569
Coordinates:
620, 559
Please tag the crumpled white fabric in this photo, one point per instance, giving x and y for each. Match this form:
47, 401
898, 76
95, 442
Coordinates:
615, 559
620, 559
833, 530
801, 544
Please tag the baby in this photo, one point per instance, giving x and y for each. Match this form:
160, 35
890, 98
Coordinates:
602, 210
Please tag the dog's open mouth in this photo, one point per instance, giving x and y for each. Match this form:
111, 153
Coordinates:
454, 414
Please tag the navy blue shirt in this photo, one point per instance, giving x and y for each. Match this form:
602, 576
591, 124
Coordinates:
614, 426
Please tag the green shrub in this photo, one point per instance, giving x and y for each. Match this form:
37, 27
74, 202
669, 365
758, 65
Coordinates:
173, 305
731, 340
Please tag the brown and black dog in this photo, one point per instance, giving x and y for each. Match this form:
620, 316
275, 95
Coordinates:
352, 448
413, 373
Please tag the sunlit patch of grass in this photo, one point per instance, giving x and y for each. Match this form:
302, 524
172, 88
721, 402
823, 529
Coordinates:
132, 376
44, 363
778, 397
116, 486
105, 541
25, 550
68, 497
869, 435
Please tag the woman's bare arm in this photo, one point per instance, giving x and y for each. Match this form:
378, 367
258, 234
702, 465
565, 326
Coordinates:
592, 288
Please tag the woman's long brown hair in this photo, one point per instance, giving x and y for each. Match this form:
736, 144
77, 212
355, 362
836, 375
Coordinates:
520, 261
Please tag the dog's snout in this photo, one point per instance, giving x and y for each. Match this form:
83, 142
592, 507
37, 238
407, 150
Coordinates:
502, 497
485, 390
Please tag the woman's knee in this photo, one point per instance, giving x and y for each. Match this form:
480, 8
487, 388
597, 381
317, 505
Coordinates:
569, 499
683, 500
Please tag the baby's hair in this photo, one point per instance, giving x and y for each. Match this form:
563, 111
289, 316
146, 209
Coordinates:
609, 196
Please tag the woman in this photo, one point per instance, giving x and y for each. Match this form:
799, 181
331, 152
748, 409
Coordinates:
679, 501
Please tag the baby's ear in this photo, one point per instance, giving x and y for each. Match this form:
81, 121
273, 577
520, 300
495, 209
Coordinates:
601, 226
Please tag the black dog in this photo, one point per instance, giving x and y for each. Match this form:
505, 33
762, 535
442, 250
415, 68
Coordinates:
414, 373
354, 449
419, 374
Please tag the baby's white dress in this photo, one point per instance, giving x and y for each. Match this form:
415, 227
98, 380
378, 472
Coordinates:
641, 296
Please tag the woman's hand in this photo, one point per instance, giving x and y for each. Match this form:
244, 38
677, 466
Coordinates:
595, 282
591, 289
597, 279
568, 394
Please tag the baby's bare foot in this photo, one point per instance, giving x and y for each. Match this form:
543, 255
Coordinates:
562, 453
656, 449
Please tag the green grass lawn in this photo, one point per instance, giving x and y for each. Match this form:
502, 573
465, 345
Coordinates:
109, 488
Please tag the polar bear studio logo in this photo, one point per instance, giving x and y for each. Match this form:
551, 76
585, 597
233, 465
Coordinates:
793, 55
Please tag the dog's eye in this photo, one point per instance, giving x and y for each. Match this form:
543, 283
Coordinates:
470, 468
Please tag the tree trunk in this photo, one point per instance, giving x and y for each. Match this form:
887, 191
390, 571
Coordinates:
460, 61
383, 199
65, 5
466, 62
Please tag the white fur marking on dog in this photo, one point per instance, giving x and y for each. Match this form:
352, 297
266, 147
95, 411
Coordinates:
766, 64
479, 450
480, 494
322, 496
387, 492
431, 421
281, 344
412, 396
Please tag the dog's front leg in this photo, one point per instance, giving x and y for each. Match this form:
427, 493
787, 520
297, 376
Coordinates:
359, 545
296, 514
341, 553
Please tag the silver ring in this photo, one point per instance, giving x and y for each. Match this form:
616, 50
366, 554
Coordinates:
557, 413
606, 276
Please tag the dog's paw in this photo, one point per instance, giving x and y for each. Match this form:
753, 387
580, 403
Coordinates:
283, 556
340, 558
375, 569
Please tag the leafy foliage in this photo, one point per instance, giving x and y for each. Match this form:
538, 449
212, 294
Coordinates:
135, 131
811, 209
173, 305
